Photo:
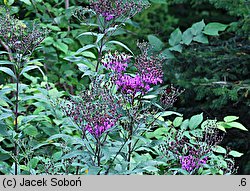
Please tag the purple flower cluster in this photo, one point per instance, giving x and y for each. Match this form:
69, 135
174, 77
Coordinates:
149, 71
19, 38
100, 127
111, 10
95, 110
116, 62
131, 85
149, 67
190, 163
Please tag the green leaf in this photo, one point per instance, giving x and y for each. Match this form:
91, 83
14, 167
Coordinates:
89, 46
197, 27
151, 169
31, 131
27, 2
219, 149
230, 118
195, 121
149, 96
6, 62
167, 113
177, 48
167, 54
184, 124
33, 162
236, 125
120, 44
9, 2
213, 29
175, 37
201, 38
61, 46
5, 116
177, 121
187, 36
235, 153
57, 155
155, 42
8, 71
28, 68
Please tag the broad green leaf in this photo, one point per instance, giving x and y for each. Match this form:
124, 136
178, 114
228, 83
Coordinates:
28, 68
158, 1
184, 124
73, 154
8, 71
27, 2
177, 121
230, 118
201, 38
61, 46
57, 155
219, 149
8, 2
89, 46
6, 62
213, 29
5, 116
167, 113
31, 131
177, 48
33, 162
195, 121
99, 37
175, 37
151, 169
87, 34
149, 96
167, 54
235, 153
120, 44
155, 42
197, 27
220, 127
236, 125
187, 36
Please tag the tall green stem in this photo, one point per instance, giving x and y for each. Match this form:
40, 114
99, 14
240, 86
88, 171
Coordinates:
16, 120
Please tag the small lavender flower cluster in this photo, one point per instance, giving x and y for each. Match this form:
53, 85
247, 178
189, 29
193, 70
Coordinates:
169, 96
190, 163
149, 71
131, 85
149, 67
116, 62
111, 10
95, 111
19, 38
100, 126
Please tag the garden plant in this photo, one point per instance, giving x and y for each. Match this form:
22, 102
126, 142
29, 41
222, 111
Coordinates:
119, 118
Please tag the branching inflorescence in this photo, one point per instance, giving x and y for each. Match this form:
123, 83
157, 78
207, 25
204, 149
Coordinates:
19, 38
119, 9
96, 110
149, 71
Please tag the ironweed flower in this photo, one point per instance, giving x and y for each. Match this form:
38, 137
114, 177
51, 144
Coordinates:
20, 38
190, 162
116, 62
111, 10
169, 96
131, 85
95, 110
149, 67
